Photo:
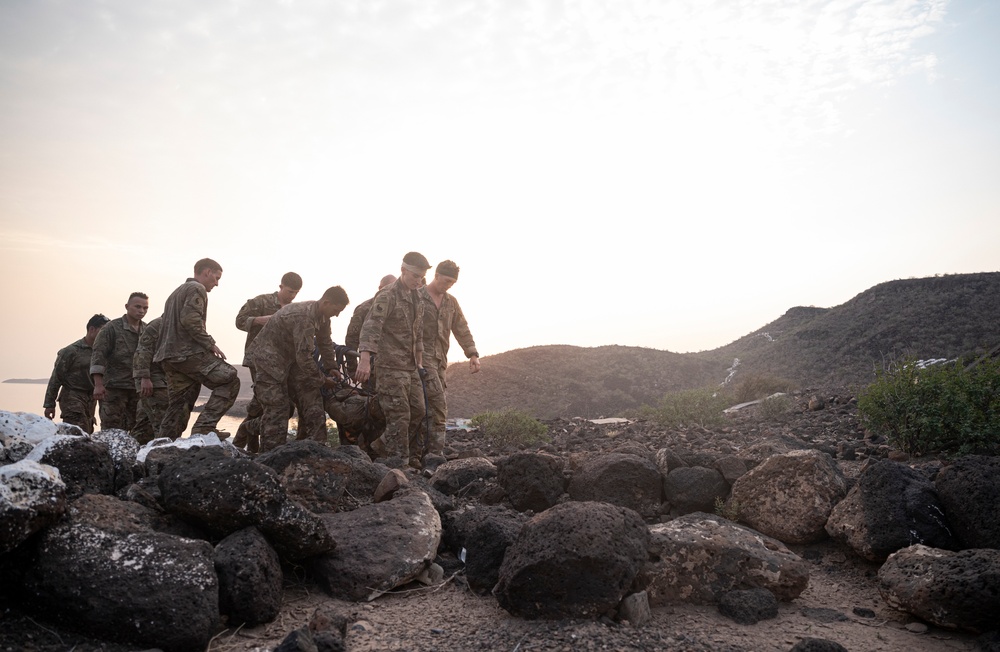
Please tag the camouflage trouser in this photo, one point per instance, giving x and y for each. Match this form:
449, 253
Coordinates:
185, 373
119, 408
151, 410
402, 401
77, 407
248, 434
277, 399
438, 404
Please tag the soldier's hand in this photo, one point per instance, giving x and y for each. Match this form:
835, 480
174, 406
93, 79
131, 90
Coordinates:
474, 365
330, 382
364, 370
50, 413
145, 387
217, 352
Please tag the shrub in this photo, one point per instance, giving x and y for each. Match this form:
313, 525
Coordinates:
702, 407
758, 386
939, 408
510, 427
774, 406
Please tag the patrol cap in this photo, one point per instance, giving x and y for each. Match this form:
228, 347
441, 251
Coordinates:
416, 259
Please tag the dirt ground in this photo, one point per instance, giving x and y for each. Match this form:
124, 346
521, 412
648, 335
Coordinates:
841, 604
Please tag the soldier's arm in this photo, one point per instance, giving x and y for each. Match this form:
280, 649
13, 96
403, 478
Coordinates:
104, 347
52, 389
192, 319
371, 333
420, 333
352, 339
304, 337
143, 357
249, 313
460, 329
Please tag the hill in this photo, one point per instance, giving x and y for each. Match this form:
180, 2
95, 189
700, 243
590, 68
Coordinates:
937, 317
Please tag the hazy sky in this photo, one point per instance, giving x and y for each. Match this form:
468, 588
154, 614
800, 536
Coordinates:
668, 174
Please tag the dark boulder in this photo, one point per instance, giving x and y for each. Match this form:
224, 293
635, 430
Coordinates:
575, 560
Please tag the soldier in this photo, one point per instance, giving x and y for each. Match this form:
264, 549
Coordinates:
393, 332
282, 355
151, 384
442, 318
353, 337
251, 318
111, 365
70, 380
191, 357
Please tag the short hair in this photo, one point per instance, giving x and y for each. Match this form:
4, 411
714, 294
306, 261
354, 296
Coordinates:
386, 280
447, 268
206, 263
97, 321
292, 280
336, 294
141, 295
416, 259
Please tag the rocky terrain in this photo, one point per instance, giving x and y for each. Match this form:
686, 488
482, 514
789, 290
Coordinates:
841, 603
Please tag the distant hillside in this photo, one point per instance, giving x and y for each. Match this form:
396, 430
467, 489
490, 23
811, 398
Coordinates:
552, 381
939, 317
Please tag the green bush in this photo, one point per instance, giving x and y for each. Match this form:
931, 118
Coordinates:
510, 427
701, 407
758, 386
942, 408
774, 406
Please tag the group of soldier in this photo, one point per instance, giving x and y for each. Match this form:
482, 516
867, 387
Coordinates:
146, 377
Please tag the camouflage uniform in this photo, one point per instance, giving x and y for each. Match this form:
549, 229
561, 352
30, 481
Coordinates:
393, 332
151, 408
70, 381
282, 354
112, 358
439, 325
185, 349
261, 305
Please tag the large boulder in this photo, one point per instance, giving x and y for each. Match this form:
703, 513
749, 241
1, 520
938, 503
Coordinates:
701, 557
620, 479
32, 427
32, 496
359, 474
694, 489
481, 536
956, 590
250, 578
575, 560
532, 481
790, 496
224, 494
123, 449
969, 489
891, 507
381, 546
454, 476
84, 464
104, 572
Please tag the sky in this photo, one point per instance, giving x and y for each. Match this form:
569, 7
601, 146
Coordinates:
670, 174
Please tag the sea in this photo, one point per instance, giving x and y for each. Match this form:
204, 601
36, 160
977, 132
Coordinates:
28, 397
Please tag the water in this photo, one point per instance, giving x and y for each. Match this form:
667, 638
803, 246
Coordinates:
28, 397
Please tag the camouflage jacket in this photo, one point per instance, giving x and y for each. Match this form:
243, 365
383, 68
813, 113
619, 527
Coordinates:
113, 351
142, 362
394, 328
260, 306
71, 370
183, 328
352, 339
439, 325
286, 342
